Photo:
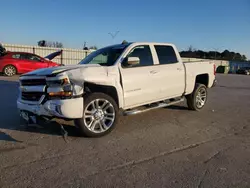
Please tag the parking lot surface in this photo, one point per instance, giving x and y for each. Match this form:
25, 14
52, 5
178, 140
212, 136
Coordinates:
169, 147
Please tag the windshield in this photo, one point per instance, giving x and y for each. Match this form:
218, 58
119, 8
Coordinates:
105, 56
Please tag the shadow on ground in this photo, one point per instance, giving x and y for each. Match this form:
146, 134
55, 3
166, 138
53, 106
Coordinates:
6, 137
10, 119
175, 107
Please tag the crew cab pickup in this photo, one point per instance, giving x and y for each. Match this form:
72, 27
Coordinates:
122, 79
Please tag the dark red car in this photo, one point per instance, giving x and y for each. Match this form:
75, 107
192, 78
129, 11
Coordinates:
12, 63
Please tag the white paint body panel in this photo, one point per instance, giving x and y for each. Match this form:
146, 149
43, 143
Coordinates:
197, 68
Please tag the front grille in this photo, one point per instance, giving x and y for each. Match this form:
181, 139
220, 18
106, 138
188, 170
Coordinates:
32, 96
33, 82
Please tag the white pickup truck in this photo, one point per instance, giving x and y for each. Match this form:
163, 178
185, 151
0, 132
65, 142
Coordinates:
127, 78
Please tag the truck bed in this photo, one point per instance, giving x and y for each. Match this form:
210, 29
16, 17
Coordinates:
204, 68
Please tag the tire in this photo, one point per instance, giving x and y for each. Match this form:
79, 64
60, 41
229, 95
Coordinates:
9, 70
100, 114
197, 100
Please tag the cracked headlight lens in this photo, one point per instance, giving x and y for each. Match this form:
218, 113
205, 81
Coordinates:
61, 82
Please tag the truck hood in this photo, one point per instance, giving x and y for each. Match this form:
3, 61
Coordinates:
57, 70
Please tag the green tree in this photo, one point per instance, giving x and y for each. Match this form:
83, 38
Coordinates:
243, 58
44, 43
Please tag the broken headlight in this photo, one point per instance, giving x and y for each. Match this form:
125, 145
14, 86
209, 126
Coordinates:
61, 82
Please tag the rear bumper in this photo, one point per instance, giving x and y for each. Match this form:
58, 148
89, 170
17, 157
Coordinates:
66, 109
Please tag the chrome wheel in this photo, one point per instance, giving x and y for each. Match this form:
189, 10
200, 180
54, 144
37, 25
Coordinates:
99, 115
201, 97
9, 70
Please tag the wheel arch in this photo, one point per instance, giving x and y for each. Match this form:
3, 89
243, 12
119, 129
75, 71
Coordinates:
108, 90
193, 79
202, 79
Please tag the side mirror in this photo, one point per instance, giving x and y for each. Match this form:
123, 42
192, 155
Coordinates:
133, 61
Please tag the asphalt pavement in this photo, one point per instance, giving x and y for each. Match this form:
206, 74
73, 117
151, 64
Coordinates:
169, 147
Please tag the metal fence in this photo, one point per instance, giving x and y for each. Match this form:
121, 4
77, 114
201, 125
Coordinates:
68, 56
233, 65
217, 62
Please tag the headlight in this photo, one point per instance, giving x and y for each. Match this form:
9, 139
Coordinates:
61, 82
67, 92
64, 86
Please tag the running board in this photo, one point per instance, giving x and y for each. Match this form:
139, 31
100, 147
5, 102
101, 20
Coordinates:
160, 105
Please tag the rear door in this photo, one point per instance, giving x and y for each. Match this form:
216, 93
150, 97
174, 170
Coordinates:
170, 72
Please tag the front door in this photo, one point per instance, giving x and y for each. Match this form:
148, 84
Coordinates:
137, 82
34, 62
24, 65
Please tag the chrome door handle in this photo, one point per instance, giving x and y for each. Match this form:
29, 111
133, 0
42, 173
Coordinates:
179, 69
153, 72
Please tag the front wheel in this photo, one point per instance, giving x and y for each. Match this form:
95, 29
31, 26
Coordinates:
100, 115
197, 100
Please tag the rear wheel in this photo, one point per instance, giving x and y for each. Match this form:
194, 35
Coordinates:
100, 115
9, 70
197, 100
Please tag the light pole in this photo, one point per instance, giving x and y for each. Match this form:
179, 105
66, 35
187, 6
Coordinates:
113, 35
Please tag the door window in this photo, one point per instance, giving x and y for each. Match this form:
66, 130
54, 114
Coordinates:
31, 57
143, 53
100, 59
16, 56
35, 58
166, 54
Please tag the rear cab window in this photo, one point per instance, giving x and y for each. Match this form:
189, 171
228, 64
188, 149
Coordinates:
166, 54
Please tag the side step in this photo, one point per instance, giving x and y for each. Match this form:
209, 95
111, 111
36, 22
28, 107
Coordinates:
153, 106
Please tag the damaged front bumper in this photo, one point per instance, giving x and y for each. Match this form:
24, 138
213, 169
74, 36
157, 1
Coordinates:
64, 109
